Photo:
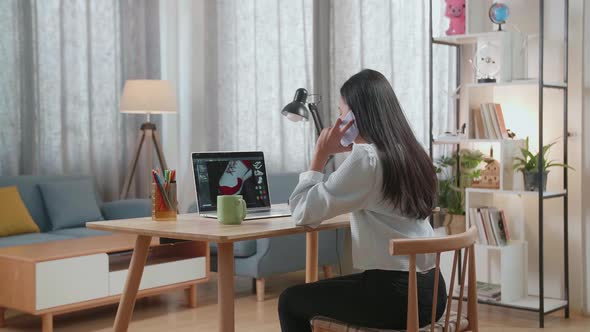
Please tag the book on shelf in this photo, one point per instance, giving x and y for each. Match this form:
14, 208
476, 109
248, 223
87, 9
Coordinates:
488, 226
485, 291
491, 224
497, 226
487, 122
505, 223
477, 123
495, 121
502, 124
478, 222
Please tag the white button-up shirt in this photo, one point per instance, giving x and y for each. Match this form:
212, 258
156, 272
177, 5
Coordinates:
356, 187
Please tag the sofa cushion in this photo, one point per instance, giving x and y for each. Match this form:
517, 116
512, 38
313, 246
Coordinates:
125, 209
14, 216
241, 248
70, 203
22, 239
78, 232
31, 195
281, 186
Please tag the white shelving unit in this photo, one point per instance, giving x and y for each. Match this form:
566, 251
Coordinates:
546, 194
505, 266
521, 97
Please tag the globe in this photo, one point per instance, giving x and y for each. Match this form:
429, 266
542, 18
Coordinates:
499, 13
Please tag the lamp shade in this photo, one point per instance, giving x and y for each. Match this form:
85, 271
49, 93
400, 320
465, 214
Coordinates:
297, 110
148, 97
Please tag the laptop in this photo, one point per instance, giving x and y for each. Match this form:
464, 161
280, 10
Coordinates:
234, 173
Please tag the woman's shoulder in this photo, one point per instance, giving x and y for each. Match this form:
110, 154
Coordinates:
364, 152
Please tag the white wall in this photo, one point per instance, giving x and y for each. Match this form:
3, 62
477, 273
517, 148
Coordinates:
576, 144
585, 156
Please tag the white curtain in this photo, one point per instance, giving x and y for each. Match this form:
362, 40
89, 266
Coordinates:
235, 65
264, 53
391, 36
63, 66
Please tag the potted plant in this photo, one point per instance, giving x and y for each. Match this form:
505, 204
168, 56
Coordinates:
451, 189
528, 165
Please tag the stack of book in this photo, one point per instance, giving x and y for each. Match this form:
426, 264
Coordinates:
485, 292
492, 226
487, 122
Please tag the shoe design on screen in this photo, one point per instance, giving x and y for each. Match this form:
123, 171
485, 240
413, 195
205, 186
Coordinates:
232, 180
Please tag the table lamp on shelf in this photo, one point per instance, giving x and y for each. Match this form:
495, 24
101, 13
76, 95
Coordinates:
299, 109
146, 97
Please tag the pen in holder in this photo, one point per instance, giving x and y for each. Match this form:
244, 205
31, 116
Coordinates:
164, 202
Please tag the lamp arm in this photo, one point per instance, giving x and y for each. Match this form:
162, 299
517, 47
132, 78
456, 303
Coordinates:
317, 120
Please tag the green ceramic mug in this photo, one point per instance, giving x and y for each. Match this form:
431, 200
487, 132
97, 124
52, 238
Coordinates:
231, 209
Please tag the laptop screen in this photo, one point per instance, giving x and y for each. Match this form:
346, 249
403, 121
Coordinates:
230, 173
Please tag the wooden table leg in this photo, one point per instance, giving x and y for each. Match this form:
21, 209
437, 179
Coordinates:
127, 302
47, 323
192, 296
2, 317
225, 286
311, 257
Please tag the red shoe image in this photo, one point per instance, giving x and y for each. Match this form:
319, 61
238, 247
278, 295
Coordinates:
232, 180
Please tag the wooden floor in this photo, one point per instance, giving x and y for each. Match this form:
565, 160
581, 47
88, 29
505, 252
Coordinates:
170, 313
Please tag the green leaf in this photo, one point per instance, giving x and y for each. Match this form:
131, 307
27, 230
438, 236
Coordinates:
553, 164
527, 154
518, 163
547, 147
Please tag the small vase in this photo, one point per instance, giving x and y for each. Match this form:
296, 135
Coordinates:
455, 223
531, 180
438, 219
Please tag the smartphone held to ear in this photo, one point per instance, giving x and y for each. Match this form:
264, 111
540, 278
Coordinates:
352, 132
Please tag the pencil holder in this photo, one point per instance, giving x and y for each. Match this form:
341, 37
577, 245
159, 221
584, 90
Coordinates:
164, 206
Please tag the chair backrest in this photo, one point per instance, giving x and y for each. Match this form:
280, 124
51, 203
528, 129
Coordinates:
452, 243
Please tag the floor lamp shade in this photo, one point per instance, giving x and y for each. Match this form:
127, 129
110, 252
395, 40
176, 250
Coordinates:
148, 97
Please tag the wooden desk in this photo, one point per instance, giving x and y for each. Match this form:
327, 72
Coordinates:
193, 227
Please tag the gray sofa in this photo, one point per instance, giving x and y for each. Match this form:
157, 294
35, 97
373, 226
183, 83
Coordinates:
28, 187
261, 258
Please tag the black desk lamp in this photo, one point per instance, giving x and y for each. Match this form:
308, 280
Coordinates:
299, 109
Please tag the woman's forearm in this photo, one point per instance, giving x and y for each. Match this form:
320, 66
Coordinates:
318, 162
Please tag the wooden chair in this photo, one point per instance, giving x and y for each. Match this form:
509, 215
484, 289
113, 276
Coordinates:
449, 321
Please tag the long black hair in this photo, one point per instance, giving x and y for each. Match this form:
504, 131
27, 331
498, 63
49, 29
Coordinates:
409, 177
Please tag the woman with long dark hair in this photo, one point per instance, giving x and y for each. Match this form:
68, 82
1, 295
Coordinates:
388, 184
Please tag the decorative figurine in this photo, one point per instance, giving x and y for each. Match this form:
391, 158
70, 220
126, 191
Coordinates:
490, 175
456, 12
485, 63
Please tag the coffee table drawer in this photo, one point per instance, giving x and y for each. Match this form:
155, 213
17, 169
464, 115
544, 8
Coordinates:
161, 274
71, 280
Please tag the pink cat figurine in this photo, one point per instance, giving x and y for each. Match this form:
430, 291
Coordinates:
456, 12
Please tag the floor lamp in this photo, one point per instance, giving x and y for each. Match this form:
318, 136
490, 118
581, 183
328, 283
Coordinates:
146, 97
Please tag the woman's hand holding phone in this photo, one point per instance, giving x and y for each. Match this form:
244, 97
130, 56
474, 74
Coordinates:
329, 143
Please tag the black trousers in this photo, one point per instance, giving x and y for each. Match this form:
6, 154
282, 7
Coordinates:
374, 298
